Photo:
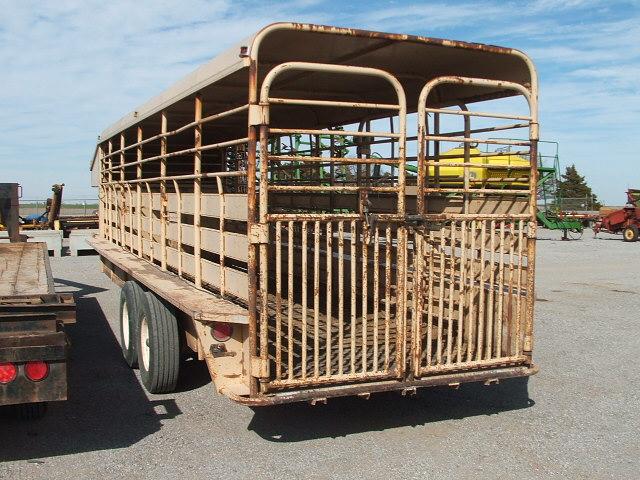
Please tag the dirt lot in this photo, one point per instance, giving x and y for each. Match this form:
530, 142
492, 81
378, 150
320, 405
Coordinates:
581, 421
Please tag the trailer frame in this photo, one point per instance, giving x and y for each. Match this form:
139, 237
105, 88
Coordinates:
435, 283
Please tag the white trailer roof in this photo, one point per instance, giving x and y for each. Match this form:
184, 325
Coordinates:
414, 60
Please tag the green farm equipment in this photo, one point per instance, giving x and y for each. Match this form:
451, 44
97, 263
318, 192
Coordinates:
549, 213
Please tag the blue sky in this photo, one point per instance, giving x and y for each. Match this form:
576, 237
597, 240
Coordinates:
69, 69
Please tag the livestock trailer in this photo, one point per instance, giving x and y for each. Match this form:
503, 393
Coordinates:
280, 212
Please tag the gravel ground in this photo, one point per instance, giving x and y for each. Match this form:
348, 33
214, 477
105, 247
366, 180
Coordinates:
581, 420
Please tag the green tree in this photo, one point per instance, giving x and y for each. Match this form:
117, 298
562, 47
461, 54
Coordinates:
572, 185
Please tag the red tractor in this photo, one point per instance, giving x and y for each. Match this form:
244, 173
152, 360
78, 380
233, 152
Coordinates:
625, 220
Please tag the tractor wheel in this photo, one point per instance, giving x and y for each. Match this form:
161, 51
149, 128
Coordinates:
575, 233
630, 234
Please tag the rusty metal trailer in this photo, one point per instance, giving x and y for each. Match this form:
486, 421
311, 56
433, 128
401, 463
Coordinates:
303, 270
33, 344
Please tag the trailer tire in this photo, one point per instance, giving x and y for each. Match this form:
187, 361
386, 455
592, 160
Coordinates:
630, 234
32, 411
131, 299
158, 345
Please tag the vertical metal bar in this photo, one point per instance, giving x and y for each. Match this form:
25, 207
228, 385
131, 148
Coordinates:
264, 257
430, 300
467, 158
290, 301
341, 296
492, 288
197, 191
441, 272
472, 290
304, 254
511, 322
531, 231
252, 136
387, 296
353, 296
392, 148
402, 147
401, 316
109, 200
436, 149
519, 292
179, 218
278, 300
376, 286
416, 317
101, 194
139, 192
121, 230
452, 281
222, 205
150, 223
483, 243
130, 200
329, 296
163, 192
500, 293
365, 294
462, 288
316, 299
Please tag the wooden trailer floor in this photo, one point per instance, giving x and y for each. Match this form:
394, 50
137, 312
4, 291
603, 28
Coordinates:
24, 269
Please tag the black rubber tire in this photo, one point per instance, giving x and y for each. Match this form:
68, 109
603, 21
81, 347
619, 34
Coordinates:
159, 373
630, 234
131, 297
32, 411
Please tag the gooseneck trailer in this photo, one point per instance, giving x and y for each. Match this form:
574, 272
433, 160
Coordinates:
344, 264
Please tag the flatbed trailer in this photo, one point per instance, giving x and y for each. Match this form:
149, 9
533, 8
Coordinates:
33, 344
323, 268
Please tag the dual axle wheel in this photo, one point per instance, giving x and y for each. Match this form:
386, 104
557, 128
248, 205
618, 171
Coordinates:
149, 337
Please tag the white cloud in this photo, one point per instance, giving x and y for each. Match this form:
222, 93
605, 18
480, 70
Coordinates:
71, 68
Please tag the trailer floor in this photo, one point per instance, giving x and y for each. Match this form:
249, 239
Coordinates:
582, 419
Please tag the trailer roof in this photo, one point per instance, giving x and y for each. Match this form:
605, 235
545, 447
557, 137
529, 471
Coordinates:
413, 59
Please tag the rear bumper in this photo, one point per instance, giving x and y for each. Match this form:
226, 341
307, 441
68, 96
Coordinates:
322, 394
51, 348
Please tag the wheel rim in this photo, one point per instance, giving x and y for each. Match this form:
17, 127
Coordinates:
144, 342
628, 234
125, 325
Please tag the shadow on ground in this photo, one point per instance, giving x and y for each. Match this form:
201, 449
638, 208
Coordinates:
346, 416
107, 407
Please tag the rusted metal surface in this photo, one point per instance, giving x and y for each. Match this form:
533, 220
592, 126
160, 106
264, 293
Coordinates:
9, 210
348, 269
322, 394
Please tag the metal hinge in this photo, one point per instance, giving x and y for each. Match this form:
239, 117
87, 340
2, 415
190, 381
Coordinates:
259, 369
259, 233
258, 115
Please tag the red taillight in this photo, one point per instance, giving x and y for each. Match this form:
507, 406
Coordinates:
222, 331
8, 372
36, 371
